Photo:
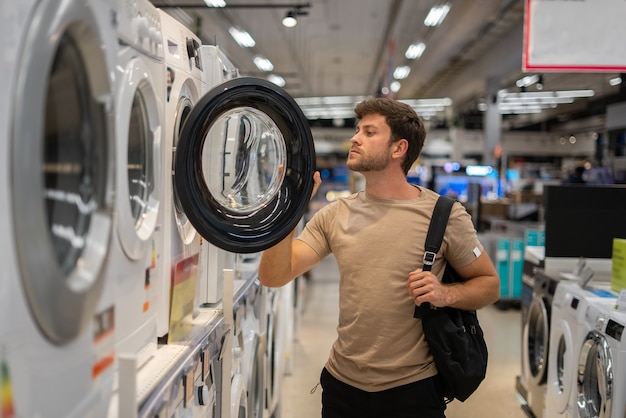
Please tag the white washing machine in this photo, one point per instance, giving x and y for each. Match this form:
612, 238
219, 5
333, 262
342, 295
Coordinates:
132, 270
251, 339
217, 68
191, 387
56, 205
601, 368
568, 329
244, 164
536, 339
181, 243
275, 355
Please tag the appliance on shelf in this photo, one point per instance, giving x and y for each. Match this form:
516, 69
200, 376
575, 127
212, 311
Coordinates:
57, 137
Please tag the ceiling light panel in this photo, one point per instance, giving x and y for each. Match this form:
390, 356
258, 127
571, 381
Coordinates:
437, 15
401, 72
276, 79
243, 38
263, 63
215, 3
414, 51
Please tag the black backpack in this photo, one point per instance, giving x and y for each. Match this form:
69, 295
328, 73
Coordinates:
454, 336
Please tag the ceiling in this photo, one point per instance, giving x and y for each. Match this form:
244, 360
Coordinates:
350, 47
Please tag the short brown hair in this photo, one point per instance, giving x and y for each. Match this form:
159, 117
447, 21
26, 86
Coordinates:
402, 120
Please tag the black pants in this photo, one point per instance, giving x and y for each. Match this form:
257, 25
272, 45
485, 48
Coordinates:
422, 399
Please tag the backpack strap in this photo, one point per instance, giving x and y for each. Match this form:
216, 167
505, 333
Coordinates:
436, 229
434, 238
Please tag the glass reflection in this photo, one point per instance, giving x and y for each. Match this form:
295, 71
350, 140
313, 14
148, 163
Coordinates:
243, 158
70, 160
140, 169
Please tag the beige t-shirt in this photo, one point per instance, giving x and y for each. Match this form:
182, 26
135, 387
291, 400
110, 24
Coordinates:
377, 243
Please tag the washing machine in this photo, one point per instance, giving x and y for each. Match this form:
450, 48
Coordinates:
192, 385
568, 330
56, 204
252, 342
181, 244
601, 377
277, 322
535, 340
132, 270
217, 68
244, 174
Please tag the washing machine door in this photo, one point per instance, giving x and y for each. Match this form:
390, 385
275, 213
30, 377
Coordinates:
595, 377
561, 366
536, 340
244, 165
62, 166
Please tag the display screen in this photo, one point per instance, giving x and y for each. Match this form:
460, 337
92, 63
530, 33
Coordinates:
582, 220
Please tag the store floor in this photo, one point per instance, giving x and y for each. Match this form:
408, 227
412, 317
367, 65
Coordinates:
315, 333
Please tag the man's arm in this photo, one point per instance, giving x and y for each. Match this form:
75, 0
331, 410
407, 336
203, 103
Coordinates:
481, 286
289, 258
285, 261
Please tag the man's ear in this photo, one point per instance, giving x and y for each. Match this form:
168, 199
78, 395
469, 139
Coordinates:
400, 147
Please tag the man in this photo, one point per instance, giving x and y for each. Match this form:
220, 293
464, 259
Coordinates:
380, 365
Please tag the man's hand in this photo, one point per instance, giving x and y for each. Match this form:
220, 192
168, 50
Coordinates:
317, 182
423, 286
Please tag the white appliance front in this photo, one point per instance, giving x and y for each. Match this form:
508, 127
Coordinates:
602, 365
181, 243
217, 68
568, 329
56, 201
132, 267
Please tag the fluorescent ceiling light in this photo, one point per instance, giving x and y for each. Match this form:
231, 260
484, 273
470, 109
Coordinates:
215, 3
263, 63
276, 79
331, 107
243, 38
436, 15
415, 51
529, 80
615, 81
395, 86
534, 102
401, 72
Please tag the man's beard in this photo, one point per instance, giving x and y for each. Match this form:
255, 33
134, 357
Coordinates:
365, 164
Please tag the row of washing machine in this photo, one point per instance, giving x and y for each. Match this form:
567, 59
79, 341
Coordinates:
573, 349
137, 170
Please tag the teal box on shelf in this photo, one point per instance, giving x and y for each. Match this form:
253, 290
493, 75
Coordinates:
535, 237
516, 264
502, 266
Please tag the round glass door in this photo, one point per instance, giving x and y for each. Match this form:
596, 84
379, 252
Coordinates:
595, 377
62, 168
537, 340
139, 142
244, 165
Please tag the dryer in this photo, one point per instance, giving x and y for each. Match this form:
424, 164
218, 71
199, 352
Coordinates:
181, 244
56, 206
568, 330
132, 269
601, 368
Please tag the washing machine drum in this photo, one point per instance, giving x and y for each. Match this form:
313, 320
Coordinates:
244, 165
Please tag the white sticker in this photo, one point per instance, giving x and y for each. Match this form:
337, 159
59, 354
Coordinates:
477, 252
